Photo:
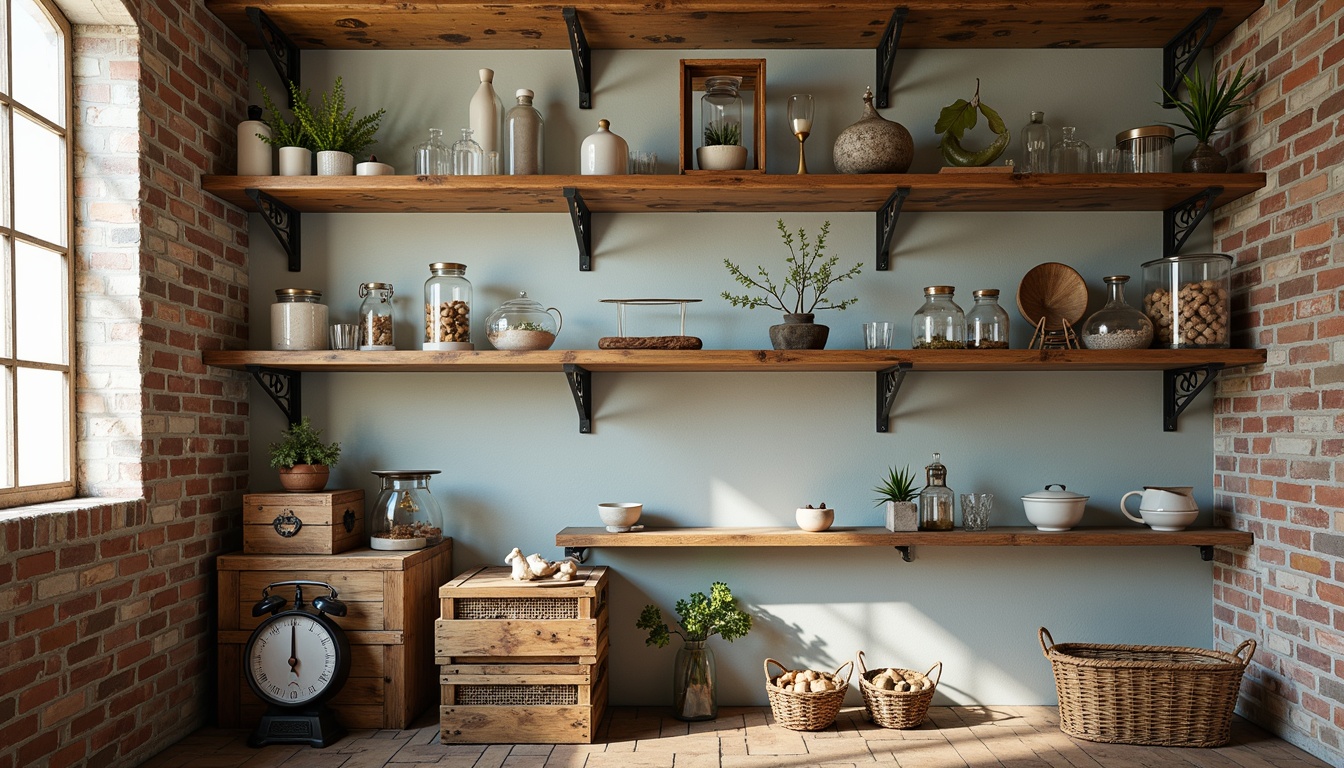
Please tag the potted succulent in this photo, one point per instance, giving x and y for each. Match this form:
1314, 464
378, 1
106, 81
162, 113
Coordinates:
802, 293
337, 135
1208, 102
288, 135
898, 492
304, 461
694, 691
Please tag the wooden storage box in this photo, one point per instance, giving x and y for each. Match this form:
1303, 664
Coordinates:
523, 703
486, 617
390, 624
324, 523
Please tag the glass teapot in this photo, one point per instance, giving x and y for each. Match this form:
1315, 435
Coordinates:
522, 323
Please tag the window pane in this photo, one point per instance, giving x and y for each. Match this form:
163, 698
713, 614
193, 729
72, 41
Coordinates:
40, 61
6, 428
6, 290
42, 406
40, 311
4, 164
39, 175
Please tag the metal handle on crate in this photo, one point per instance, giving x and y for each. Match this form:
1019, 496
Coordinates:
1044, 635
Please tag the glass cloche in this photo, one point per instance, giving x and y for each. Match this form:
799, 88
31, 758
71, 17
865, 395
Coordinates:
522, 323
405, 516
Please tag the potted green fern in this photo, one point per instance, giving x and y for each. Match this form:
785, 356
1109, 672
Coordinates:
303, 460
898, 492
288, 135
336, 133
1206, 104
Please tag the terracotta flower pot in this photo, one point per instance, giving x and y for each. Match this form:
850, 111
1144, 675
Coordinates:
304, 478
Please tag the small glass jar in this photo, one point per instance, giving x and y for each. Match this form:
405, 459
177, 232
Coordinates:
447, 307
468, 157
406, 516
1070, 154
1036, 143
721, 111
987, 322
939, 323
432, 158
1117, 325
375, 317
1149, 148
936, 502
1189, 300
298, 320
522, 323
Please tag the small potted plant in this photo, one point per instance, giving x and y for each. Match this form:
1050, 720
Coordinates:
288, 135
695, 694
898, 492
1208, 103
802, 293
304, 461
337, 134
722, 149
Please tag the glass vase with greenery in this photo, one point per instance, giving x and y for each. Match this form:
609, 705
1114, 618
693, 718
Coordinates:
1208, 102
694, 689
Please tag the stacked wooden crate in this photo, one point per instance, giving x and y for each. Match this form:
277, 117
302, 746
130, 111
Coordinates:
522, 661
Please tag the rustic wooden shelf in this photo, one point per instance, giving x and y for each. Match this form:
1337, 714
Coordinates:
577, 540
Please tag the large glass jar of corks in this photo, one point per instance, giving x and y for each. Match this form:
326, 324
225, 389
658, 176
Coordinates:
1117, 325
987, 323
375, 317
406, 516
447, 307
940, 323
936, 507
1189, 300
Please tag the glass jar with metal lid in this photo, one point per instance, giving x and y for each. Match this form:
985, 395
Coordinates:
939, 323
1149, 148
936, 501
298, 320
375, 317
987, 323
447, 307
406, 516
1189, 300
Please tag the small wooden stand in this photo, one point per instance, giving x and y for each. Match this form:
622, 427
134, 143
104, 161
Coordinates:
693, 74
1062, 337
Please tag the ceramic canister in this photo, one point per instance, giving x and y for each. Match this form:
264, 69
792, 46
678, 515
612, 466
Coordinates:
603, 153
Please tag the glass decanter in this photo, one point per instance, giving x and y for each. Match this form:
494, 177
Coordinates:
1036, 143
1070, 154
467, 155
937, 503
431, 157
1117, 325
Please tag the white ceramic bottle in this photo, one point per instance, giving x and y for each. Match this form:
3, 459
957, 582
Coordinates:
485, 113
254, 154
603, 153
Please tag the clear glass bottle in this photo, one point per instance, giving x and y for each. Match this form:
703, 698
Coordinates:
523, 129
298, 320
1036, 143
1117, 325
939, 323
375, 317
987, 323
447, 307
467, 155
936, 502
406, 516
695, 695
432, 157
721, 111
1189, 299
1070, 154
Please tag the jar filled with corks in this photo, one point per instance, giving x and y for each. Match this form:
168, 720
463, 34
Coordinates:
447, 307
375, 317
1189, 300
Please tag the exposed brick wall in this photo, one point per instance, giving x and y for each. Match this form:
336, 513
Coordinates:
106, 633
1278, 469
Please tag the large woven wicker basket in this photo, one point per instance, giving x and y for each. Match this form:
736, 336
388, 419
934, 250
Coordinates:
805, 711
896, 709
1146, 694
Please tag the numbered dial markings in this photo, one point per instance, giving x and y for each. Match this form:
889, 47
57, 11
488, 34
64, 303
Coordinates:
293, 659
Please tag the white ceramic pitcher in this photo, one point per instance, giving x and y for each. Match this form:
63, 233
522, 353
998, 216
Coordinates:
1163, 508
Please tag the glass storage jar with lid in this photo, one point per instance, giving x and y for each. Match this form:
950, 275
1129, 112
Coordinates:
1149, 148
936, 501
522, 323
406, 516
1189, 300
375, 317
939, 323
298, 320
721, 147
1117, 325
987, 323
447, 307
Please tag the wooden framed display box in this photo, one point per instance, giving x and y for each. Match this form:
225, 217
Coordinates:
324, 523
390, 625
693, 74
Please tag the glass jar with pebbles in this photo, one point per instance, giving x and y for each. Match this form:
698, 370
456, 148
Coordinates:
447, 308
406, 516
298, 320
1188, 298
987, 323
375, 317
522, 323
939, 323
1117, 325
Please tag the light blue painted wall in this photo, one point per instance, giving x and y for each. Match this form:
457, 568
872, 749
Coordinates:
745, 449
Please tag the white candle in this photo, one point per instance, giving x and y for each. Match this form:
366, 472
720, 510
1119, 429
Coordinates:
802, 125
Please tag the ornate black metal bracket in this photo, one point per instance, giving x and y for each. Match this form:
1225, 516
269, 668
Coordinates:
1180, 220
578, 553
284, 387
583, 57
1182, 385
285, 223
581, 386
583, 227
906, 554
284, 54
887, 216
1206, 552
1179, 54
886, 55
888, 384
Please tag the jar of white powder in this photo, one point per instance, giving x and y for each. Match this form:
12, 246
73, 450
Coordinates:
298, 320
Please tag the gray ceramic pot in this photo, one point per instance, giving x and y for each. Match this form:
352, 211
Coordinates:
799, 332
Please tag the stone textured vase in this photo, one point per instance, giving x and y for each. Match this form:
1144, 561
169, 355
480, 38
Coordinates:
1205, 159
873, 144
799, 332
304, 478
332, 162
902, 516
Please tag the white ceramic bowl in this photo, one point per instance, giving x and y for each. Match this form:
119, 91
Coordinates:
619, 516
1054, 510
815, 520
1168, 520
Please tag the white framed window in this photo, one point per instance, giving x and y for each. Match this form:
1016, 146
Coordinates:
37, 380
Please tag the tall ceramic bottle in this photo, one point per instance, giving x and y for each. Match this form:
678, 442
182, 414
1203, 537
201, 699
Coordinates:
254, 153
485, 114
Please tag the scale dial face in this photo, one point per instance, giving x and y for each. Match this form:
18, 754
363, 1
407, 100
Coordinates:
292, 659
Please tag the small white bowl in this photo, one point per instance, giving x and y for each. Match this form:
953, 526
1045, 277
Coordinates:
814, 520
620, 516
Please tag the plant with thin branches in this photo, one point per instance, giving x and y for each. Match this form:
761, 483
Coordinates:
809, 272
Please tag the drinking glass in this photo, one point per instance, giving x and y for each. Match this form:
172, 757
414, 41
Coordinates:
877, 335
643, 162
800, 122
345, 336
1105, 160
975, 509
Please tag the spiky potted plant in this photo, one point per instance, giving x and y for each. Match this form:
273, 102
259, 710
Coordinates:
303, 460
288, 134
1206, 104
722, 148
898, 492
694, 690
337, 134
